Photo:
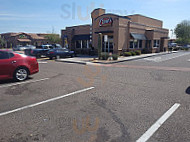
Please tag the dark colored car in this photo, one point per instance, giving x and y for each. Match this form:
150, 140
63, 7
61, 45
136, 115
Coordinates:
60, 53
38, 52
16, 66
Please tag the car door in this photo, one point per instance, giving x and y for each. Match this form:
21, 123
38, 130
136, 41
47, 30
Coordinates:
60, 53
7, 65
66, 52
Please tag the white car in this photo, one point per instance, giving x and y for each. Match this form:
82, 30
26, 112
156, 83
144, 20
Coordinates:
22, 48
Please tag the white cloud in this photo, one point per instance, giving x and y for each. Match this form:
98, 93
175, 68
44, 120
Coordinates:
10, 17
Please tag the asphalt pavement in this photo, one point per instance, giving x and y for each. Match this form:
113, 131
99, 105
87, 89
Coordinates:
141, 100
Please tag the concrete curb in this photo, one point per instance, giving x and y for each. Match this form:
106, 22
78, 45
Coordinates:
138, 57
75, 62
113, 62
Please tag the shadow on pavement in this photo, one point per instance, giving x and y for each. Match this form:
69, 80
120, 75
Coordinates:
188, 90
2, 82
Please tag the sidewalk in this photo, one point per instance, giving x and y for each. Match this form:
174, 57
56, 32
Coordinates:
90, 60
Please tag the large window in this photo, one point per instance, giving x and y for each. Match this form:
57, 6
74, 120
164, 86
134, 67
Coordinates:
82, 44
131, 44
156, 43
140, 43
78, 44
136, 44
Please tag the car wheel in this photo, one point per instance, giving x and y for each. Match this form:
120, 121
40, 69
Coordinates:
21, 74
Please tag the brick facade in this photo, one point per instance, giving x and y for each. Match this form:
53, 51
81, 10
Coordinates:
123, 33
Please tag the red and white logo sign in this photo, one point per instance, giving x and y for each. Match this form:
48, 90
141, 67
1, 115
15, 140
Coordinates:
105, 22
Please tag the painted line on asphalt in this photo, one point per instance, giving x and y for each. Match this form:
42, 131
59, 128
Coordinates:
46, 101
42, 62
158, 123
159, 59
19, 83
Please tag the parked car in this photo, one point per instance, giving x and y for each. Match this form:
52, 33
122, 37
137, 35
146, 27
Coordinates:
56, 45
38, 52
60, 53
22, 48
19, 48
16, 66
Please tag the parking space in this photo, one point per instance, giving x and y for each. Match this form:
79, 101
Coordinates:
71, 102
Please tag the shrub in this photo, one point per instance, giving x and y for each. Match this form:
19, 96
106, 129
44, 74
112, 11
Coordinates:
145, 51
121, 54
186, 49
138, 52
115, 56
104, 56
132, 53
127, 54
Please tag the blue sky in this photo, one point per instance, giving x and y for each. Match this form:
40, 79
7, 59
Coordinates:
44, 16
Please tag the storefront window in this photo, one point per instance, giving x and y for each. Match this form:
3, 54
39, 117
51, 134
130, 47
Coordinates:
156, 43
136, 44
84, 44
140, 43
131, 44
78, 44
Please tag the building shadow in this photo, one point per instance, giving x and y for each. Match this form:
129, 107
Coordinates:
188, 90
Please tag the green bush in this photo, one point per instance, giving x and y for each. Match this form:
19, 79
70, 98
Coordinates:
138, 52
115, 56
145, 51
127, 54
186, 49
132, 53
104, 56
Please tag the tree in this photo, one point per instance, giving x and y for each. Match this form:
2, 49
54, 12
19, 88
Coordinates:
2, 42
182, 32
53, 38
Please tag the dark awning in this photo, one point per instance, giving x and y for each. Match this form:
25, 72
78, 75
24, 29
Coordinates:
138, 36
81, 37
103, 32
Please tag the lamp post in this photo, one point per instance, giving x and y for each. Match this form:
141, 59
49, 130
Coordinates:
172, 32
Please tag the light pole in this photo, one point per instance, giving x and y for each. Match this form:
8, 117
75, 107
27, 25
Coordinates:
172, 32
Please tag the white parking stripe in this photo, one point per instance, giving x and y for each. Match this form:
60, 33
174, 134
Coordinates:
165, 58
158, 123
46, 101
14, 84
42, 62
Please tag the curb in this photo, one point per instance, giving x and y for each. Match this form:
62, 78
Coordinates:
129, 59
91, 63
75, 62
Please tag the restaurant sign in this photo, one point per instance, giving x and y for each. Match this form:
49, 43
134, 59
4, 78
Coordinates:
104, 22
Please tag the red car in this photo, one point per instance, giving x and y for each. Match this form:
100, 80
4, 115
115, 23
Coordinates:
16, 66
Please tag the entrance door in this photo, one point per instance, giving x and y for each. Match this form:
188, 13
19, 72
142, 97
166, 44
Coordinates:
108, 46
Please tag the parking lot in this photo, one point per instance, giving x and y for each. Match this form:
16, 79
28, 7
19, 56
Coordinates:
140, 100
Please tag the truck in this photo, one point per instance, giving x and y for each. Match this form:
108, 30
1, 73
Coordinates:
40, 51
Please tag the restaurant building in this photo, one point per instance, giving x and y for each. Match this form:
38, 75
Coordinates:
119, 34
14, 39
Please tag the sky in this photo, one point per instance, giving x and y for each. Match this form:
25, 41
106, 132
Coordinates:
45, 16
